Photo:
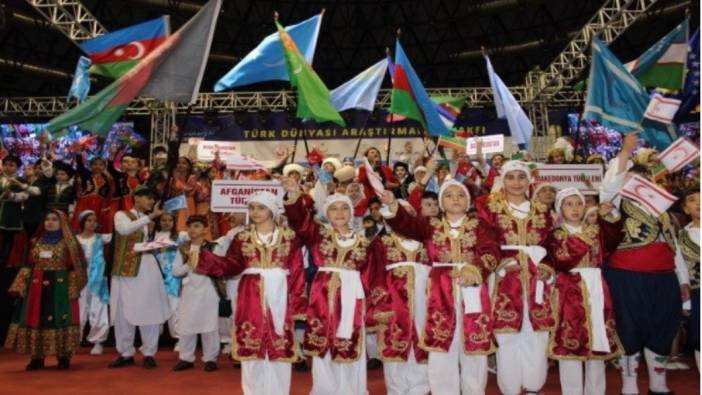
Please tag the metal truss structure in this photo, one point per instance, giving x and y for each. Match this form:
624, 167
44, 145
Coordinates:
70, 17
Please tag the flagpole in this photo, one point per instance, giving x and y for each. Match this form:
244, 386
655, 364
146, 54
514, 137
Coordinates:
392, 116
172, 163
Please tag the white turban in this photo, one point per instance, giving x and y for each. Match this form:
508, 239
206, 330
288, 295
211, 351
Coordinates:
332, 161
267, 199
541, 186
291, 167
516, 165
564, 193
337, 197
445, 186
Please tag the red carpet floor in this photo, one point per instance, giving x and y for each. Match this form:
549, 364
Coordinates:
90, 375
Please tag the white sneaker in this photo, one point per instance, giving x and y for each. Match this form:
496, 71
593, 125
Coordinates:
227, 349
97, 349
176, 348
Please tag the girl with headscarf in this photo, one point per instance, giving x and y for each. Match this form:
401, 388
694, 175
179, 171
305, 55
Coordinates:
96, 188
46, 322
522, 312
584, 333
335, 330
167, 258
270, 297
455, 326
95, 297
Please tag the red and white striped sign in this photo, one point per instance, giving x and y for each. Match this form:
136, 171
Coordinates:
662, 109
242, 162
678, 154
653, 198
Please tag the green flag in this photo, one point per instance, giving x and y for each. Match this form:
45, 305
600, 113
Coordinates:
312, 95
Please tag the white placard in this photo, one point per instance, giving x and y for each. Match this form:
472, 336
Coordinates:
571, 176
230, 196
492, 144
207, 148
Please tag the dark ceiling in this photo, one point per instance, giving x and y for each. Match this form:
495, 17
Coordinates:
441, 37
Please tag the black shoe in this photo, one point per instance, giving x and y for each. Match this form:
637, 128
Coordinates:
183, 365
64, 363
121, 362
374, 364
149, 362
210, 366
35, 364
660, 393
301, 366
236, 364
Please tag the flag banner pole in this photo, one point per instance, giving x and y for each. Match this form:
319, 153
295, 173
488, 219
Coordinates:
358, 143
172, 163
292, 157
387, 157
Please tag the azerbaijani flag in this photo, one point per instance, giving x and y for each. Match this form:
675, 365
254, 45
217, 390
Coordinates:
448, 107
409, 98
454, 143
663, 65
312, 95
113, 54
181, 57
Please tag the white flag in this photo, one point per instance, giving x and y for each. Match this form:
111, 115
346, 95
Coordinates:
653, 198
373, 178
662, 109
678, 154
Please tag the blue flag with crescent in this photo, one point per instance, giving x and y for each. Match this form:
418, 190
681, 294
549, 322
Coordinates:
267, 62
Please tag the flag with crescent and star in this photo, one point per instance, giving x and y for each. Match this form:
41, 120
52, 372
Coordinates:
115, 53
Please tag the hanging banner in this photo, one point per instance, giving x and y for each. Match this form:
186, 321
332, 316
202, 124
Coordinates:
206, 149
586, 178
229, 196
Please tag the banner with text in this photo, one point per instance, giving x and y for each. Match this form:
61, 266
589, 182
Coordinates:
230, 196
586, 178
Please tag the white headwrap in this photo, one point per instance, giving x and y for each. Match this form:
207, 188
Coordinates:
542, 185
267, 199
564, 193
84, 214
290, 167
420, 169
332, 161
515, 165
448, 183
337, 197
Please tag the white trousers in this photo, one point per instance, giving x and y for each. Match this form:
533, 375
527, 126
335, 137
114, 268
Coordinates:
521, 361
265, 377
124, 335
453, 371
334, 378
173, 320
372, 345
93, 311
571, 375
210, 346
406, 378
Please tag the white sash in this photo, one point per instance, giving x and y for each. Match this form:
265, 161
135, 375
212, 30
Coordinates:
593, 283
472, 302
351, 291
421, 276
275, 291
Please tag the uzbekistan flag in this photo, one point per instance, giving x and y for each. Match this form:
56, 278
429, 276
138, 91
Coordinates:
113, 54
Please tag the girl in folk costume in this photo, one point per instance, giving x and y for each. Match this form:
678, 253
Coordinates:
198, 307
95, 193
386, 175
46, 322
95, 297
545, 193
689, 241
522, 311
183, 182
168, 258
585, 331
457, 331
645, 275
336, 313
270, 297
398, 307
202, 196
